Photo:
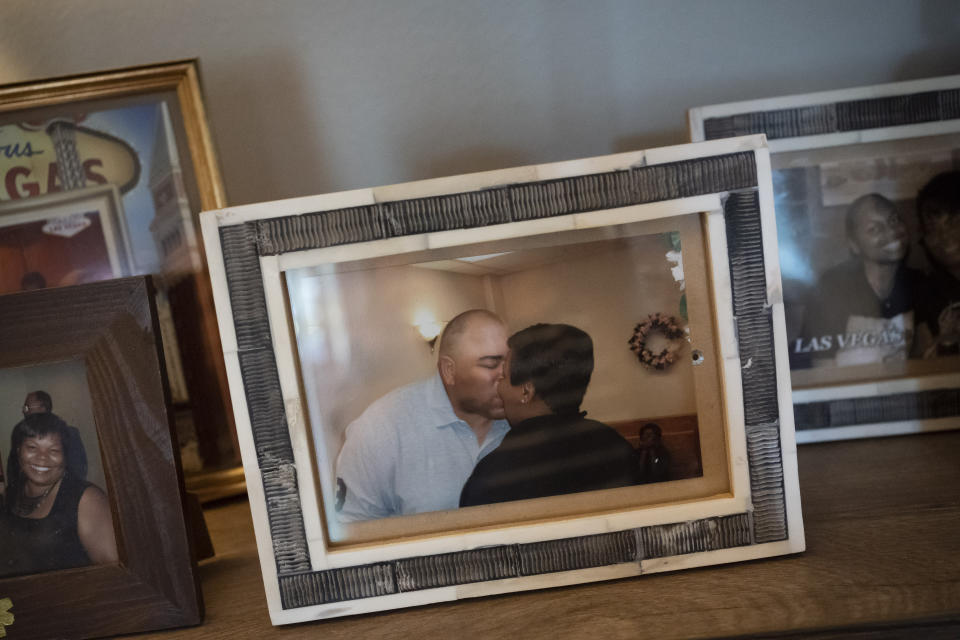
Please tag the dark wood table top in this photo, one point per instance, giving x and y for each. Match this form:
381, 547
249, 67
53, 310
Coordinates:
882, 521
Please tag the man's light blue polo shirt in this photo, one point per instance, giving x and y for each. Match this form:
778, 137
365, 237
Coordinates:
409, 453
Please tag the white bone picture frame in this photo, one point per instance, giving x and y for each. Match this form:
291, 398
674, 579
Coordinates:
727, 183
899, 111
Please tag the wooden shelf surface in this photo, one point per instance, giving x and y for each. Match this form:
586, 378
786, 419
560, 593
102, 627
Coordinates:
882, 520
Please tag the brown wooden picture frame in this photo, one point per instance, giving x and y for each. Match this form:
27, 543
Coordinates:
173, 190
112, 327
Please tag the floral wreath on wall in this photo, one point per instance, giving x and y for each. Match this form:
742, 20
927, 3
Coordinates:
667, 326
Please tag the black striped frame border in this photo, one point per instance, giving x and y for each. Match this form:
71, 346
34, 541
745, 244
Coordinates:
909, 108
733, 175
838, 117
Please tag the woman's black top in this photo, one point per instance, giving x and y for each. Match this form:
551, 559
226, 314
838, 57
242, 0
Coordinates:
552, 455
30, 545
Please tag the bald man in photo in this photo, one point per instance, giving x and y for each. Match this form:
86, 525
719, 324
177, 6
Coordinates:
412, 450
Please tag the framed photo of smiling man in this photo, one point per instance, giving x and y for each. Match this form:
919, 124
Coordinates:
510, 380
867, 187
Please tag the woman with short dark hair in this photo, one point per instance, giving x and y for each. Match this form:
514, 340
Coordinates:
551, 448
53, 518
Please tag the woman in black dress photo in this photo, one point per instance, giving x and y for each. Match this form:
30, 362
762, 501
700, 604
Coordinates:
52, 518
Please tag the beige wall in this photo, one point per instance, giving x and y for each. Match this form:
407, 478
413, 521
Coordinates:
66, 382
310, 96
356, 335
606, 295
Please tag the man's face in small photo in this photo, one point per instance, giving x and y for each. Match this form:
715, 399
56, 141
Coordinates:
878, 234
480, 367
33, 404
649, 437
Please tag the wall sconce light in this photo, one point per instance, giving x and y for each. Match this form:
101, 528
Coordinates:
426, 323
430, 331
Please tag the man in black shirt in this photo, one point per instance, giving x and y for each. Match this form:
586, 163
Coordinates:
654, 456
862, 310
552, 448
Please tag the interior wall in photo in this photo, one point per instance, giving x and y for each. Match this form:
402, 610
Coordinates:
357, 336
606, 294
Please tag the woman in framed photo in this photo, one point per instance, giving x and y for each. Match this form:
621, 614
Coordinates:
53, 518
551, 448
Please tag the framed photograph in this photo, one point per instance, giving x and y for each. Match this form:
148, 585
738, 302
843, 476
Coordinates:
64, 238
510, 380
867, 189
92, 525
136, 142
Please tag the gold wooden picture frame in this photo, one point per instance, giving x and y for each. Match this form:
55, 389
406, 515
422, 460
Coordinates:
144, 131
